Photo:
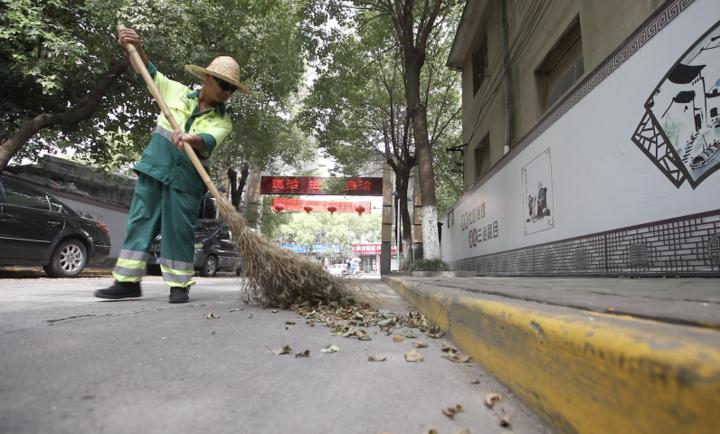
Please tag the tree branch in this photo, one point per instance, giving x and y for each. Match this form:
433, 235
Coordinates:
84, 109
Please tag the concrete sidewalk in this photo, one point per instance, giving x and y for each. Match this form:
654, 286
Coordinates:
589, 355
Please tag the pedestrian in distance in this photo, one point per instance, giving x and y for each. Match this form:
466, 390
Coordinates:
168, 191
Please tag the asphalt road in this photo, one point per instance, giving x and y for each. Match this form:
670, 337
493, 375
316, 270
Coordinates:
71, 363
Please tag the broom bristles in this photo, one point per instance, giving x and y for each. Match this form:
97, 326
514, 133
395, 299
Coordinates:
276, 276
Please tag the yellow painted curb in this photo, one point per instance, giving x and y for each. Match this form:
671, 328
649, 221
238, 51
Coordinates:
586, 372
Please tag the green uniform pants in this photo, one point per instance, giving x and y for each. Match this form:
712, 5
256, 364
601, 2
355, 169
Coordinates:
158, 208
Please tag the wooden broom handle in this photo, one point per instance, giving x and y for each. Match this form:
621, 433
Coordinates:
139, 67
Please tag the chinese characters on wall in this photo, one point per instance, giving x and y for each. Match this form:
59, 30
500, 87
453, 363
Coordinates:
479, 231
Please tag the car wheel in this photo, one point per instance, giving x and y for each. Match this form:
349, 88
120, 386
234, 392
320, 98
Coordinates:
209, 267
68, 260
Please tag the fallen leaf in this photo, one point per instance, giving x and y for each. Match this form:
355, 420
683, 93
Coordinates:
420, 344
386, 322
409, 336
290, 322
305, 353
330, 349
237, 309
284, 350
491, 398
211, 315
457, 358
398, 338
436, 334
376, 358
212, 333
274, 311
433, 431
452, 411
465, 431
475, 381
447, 348
358, 333
361, 333
413, 356
504, 419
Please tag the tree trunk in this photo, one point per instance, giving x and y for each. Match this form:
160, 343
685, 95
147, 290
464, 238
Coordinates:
244, 174
237, 187
252, 212
402, 179
83, 110
232, 180
418, 113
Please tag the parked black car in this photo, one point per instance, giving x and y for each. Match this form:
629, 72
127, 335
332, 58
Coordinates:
38, 229
214, 249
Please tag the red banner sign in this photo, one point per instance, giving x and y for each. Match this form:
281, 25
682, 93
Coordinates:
285, 204
307, 185
369, 249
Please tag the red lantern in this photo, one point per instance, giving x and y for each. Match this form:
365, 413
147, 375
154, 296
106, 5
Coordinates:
279, 208
308, 208
332, 209
360, 209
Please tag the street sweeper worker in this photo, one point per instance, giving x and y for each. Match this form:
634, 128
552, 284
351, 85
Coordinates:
168, 191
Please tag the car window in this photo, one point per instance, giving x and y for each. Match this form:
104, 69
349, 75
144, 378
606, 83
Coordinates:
17, 194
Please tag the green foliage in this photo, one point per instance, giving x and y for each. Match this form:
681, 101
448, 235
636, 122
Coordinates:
357, 106
428, 265
270, 221
448, 174
341, 229
118, 154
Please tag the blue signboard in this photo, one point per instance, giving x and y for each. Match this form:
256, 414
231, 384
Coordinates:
317, 248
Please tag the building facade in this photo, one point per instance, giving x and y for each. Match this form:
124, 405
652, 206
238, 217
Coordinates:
592, 138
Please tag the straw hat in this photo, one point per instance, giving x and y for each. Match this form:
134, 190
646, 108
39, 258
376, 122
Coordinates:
224, 68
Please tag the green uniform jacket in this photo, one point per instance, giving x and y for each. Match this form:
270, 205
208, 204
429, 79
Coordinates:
161, 159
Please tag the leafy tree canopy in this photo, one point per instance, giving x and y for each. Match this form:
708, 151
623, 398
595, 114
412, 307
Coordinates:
51, 52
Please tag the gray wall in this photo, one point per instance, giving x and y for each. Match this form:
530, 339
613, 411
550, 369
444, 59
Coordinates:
113, 216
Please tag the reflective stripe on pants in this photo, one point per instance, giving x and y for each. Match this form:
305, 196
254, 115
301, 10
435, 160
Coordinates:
177, 273
130, 266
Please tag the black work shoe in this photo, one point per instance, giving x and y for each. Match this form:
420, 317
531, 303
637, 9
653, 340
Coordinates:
178, 295
120, 290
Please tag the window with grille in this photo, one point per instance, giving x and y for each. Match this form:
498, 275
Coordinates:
562, 67
479, 64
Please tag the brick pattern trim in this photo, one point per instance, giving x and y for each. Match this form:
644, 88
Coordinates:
685, 246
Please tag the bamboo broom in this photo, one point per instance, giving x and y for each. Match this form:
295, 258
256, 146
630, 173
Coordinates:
274, 276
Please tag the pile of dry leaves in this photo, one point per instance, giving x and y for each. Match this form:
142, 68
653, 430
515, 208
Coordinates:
351, 321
